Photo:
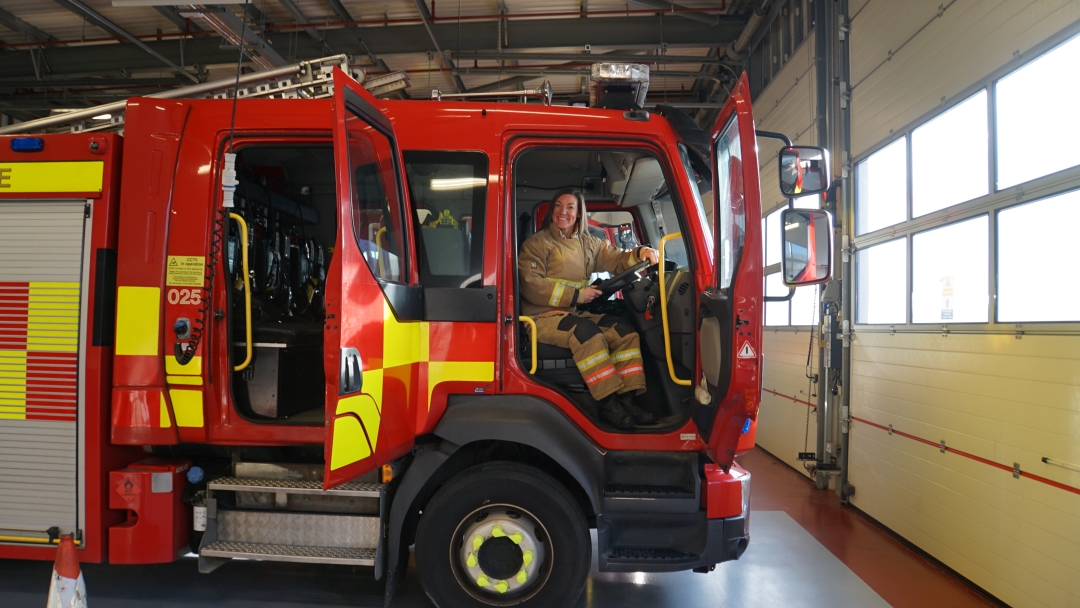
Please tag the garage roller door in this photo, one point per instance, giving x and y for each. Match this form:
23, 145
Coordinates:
41, 260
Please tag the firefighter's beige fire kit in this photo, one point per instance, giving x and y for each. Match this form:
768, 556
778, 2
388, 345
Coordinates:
554, 270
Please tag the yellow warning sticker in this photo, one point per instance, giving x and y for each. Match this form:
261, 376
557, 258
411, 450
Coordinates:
185, 271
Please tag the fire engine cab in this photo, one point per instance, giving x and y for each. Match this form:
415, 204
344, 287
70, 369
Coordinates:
293, 332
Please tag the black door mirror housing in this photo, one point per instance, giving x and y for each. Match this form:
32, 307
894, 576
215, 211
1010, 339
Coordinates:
804, 170
807, 241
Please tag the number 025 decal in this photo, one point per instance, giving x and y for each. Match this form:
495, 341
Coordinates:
185, 296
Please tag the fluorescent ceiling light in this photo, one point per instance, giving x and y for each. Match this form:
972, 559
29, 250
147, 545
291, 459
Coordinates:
102, 117
791, 226
123, 3
458, 183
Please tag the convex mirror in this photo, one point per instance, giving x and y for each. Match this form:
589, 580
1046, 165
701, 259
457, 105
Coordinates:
804, 170
807, 246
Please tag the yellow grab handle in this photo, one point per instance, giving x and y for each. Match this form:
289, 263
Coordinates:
247, 288
378, 254
663, 311
532, 324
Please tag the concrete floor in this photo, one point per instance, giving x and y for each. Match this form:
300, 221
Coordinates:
786, 564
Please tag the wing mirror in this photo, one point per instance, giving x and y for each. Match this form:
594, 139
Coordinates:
807, 246
804, 170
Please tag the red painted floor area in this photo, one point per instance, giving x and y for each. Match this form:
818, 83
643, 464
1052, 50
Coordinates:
902, 577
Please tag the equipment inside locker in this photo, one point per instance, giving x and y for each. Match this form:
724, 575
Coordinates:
287, 197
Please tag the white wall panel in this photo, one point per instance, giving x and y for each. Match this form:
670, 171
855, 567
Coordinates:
993, 396
897, 83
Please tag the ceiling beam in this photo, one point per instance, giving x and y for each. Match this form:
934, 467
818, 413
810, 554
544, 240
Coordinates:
339, 10
181, 23
302, 19
235, 30
617, 32
513, 81
671, 6
426, 16
80, 8
15, 24
584, 57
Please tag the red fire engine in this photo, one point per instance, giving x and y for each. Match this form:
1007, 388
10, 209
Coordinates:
300, 326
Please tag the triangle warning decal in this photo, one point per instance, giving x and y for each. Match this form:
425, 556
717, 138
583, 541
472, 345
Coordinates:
747, 351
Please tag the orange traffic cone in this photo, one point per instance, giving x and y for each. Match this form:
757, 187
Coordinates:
67, 589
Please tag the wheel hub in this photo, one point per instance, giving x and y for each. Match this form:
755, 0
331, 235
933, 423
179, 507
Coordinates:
501, 550
500, 558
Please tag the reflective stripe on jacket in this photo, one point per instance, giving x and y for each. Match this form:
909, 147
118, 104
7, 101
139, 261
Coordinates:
553, 268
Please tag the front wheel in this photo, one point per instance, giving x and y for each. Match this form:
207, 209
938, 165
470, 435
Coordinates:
503, 534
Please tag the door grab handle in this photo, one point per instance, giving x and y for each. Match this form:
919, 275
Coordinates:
532, 325
247, 290
663, 311
351, 377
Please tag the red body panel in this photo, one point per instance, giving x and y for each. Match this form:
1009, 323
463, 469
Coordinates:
721, 492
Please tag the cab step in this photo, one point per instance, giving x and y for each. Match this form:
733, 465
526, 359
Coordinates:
290, 553
631, 554
361, 489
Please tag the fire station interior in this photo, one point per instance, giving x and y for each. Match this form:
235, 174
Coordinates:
628, 204
903, 434
286, 194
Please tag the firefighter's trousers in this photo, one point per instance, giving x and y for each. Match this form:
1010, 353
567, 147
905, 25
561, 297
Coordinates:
606, 350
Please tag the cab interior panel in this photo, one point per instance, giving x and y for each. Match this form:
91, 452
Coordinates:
627, 203
287, 196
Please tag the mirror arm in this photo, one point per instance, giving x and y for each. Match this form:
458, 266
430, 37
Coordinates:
790, 294
774, 135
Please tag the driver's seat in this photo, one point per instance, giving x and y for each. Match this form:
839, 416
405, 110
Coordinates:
554, 364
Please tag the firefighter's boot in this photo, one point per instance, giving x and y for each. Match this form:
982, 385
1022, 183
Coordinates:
612, 412
640, 416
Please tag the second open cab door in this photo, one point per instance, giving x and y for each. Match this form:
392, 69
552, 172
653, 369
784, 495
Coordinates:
735, 302
373, 300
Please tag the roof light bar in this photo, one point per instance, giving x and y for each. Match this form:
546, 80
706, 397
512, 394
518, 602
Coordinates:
618, 85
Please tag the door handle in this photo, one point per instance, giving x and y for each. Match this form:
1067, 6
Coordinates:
351, 377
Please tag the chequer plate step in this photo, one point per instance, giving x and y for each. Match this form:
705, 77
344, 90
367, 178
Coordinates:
296, 486
289, 553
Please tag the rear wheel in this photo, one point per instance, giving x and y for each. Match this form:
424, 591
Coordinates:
503, 534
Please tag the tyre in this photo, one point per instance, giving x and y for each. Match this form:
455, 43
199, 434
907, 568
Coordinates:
503, 534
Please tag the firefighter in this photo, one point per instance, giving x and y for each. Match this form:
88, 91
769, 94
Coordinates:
555, 265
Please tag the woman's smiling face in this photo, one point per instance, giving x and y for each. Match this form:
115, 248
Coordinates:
564, 214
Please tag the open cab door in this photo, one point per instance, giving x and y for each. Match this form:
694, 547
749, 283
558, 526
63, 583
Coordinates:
373, 301
730, 334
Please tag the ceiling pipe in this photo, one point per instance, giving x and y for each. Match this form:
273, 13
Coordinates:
230, 27
736, 48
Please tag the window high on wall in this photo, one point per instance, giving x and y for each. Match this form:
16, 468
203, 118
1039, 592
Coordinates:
967, 216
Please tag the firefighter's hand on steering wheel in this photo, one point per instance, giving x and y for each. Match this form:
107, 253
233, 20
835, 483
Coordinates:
588, 294
650, 254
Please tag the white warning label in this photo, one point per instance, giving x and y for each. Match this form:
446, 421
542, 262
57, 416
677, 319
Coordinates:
185, 271
747, 351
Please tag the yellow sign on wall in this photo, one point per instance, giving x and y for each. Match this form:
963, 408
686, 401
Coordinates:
81, 176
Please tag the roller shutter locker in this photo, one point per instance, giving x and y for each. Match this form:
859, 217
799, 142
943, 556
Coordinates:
41, 273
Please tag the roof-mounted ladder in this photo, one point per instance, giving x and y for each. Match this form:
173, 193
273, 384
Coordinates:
305, 80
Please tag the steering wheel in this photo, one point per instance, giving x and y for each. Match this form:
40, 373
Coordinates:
620, 281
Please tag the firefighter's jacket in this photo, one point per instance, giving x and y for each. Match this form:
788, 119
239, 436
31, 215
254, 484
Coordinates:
554, 268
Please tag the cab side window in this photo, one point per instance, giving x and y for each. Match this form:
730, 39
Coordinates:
378, 215
448, 191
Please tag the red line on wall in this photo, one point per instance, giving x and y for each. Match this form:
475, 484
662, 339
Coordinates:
997, 465
795, 399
